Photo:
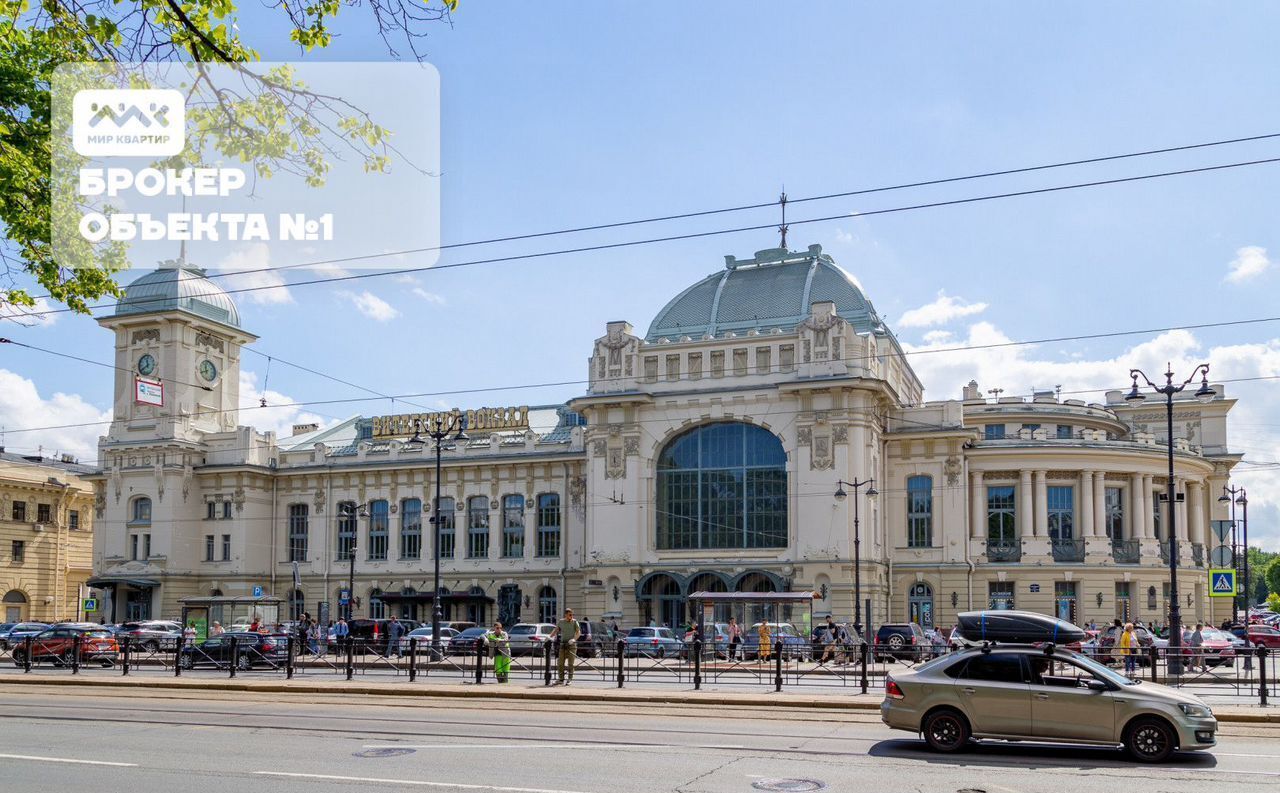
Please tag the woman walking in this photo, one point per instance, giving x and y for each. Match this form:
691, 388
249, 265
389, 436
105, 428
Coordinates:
500, 641
766, 647
1128, 644
735, 638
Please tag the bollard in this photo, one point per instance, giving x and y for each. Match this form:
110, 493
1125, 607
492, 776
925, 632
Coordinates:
866, 655
413, 658
622, 651
546, 670
1262, 675
76, 642
235, 655
351, 656
288, 658
124, 654
26, 657
777, 678
697, 664
479, 659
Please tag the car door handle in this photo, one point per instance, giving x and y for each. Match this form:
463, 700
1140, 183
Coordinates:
968, 691
1042, 695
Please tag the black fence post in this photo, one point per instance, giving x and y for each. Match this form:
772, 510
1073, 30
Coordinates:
235, 655
697, 664
777, 676
1262, 675
288, 658
1155, 662
413, 658
622, 651
866, 656
124, 654
177, 657
77, 642
26, 657
546, 667
480, 645
351, 656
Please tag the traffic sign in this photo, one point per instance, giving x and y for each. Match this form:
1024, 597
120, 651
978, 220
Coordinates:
257, 591
1221, 528
344, 596
90, 604
1222, 556
1222, 583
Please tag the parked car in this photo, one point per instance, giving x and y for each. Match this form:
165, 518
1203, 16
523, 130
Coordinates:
652, 643
372, 633
251, 649
423, 635
816, 648
464, 643
1109, 652
901, 640
783, 637
150, 635
715, 641
1217, 647
1026, 694
1264, 636
528, 638
15, 632
457, 625
595, 639
57, 644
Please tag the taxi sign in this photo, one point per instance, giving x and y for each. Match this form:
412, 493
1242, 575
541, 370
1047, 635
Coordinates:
1222, 583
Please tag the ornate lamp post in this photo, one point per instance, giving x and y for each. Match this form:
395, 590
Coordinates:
1168, 390
438, 429
355, 511
1233, 496
841, 495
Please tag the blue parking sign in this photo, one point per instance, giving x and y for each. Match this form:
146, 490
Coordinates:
257, 591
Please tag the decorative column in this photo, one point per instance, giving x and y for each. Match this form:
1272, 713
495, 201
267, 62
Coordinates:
1195, 506
1100, 502
1024, 505
1149, 497
1089, 527
1138, 508
977, 503
1181, 506
1042, 506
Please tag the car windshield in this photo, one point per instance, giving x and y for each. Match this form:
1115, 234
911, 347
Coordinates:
1102, 671
97, 634
523, 630
1215, 635
469, 632
641, 632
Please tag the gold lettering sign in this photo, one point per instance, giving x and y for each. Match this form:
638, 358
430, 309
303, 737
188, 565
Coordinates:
479, 421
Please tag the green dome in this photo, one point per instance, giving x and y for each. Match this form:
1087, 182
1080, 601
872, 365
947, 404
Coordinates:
775, 289
178, 286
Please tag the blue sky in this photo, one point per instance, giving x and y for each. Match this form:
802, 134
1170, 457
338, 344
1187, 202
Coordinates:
581, 113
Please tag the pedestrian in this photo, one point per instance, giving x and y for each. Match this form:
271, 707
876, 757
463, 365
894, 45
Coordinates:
567, 632
827, 638
189, 633
340, 633
394, 631
303, 628
735, 638
845, 639
498, 639
1195, 643
313, 638
1128, 645
766, 647
217, 629
255, 626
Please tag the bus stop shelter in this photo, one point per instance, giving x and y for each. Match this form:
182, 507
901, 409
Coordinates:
749, 608
228, 611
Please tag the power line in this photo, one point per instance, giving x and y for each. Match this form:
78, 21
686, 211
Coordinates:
748, 207
688, 236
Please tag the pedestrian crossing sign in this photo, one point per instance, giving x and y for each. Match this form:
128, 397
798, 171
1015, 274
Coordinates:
1222, 583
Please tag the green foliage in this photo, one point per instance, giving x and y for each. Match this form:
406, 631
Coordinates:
1273, 602
1273, 577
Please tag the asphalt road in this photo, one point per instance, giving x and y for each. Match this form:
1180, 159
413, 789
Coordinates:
55, 739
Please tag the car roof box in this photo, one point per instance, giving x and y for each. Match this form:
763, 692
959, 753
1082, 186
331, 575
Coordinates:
1017, 627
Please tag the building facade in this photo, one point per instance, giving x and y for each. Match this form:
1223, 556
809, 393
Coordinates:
46, 537
705, 454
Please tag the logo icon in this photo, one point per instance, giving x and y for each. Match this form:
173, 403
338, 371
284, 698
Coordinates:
129, 122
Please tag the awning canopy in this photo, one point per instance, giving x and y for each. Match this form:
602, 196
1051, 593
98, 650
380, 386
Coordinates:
113, 581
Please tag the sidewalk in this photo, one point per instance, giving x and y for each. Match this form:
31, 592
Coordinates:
587, 691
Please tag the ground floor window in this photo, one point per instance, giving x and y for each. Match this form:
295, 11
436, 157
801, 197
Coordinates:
547, 604
1064, 598
1000, 595
1124, 611
920, 604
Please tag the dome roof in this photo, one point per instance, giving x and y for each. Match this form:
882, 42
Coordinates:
775, 289
178, 286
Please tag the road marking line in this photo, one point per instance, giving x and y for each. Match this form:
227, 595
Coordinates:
418, 782
39, 759
505, 746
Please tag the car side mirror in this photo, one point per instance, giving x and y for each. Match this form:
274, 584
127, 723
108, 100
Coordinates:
1097, 685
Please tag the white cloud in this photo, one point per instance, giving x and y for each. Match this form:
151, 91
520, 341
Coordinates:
278, 416
1251, 261
430, 297
371, 305
940, 312
33, 317
22, 408
267, 286
328, 270
844, 237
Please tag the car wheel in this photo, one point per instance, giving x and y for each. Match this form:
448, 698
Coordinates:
187, 662
17, 658
662, 651
945, 730
1150, 740
151, 647
896, 642
244, 663
67, 658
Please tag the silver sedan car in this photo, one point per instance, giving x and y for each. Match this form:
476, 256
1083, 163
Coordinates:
1031, 694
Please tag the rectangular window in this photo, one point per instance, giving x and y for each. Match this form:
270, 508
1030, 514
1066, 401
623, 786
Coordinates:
477, 527
739, 363
673, 367
19, 510
513, 526
1062, 512
919, 511
447, 523
651, 369
19, 551
787, 358
43, 513
226, 547
764, 360
1002, 531
695, 366
1064, 598
73, 520
379, 529
549, 524
411, 528
717, 363
1000, 595
1031, 427
133, 547
226, 510
146, 545
1064, 431
299, 518
210, 510
993, 432
208, 547
1114, 507
1123, 601
346, 530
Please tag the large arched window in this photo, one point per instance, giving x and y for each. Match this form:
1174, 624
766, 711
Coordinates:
141, 512
547, 604
722, 485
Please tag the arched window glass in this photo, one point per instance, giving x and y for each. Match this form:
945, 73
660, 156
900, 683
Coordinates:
411, 528
477, 527
377, 609
547, 604
298, 531
722, 485
513, 526
346, 530
549, 524
919, 511
141, 511
379, 528
447, 522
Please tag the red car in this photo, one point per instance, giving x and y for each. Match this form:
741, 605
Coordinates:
58, 643
1262, 636
1216, 648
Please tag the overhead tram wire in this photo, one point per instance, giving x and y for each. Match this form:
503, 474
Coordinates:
687, 236
765, 205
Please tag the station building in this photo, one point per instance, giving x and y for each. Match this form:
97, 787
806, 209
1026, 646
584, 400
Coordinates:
706, 454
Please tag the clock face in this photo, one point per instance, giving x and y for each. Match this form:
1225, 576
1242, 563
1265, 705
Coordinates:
208, 371
146, 365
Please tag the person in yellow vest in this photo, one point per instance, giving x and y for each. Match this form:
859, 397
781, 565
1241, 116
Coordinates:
1128, 644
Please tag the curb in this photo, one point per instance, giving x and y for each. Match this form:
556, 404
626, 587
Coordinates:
493, 691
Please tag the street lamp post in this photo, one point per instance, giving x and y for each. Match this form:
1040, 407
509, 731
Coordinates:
438, 429
1168, 390
1237, 495
355, 511
857, 542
